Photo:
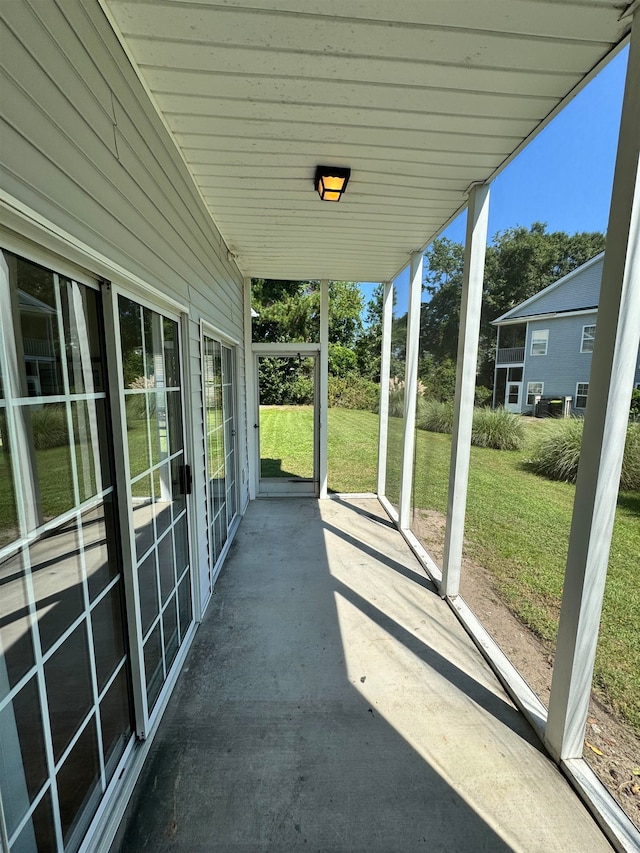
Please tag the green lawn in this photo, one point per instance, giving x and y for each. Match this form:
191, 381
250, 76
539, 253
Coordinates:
517, 527
517, 522
286, 441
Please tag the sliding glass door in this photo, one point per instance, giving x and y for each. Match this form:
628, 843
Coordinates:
158, 480
66, 713
219, 390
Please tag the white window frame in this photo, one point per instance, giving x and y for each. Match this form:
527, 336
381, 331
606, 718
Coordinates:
590, 339
538, 333
578, 394
531, 393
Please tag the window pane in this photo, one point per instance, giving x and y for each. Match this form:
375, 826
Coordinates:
142, 515
69, 689
16, 642
79, 779
153, 666
57, 582
92, 440
166, 566
137, 433
8, 514
107, 620
176, 486
80, 315
170, 629
99, 538
180, 539
588, 336
184, 604
162, 498
51, 459
157, 402
23, 763
171, 354
115, 718
174, 414
38, 334
39, 833
130, 319
153, 349
148, 591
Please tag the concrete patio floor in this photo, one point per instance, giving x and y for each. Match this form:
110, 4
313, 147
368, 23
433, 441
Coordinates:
332, 702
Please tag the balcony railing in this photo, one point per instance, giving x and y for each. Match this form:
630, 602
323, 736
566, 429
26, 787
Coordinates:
38, 347
510, 355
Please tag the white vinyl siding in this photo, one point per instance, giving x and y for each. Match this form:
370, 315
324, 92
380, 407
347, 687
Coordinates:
534, 389
588, 337
582, 390
539, 341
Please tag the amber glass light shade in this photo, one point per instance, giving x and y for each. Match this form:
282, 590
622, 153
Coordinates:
331, 182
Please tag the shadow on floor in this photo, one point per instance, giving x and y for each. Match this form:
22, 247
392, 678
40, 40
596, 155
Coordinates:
311, 717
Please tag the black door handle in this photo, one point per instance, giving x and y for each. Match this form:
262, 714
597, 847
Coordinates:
185, 479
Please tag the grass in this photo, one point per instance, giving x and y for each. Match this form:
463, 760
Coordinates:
517, 528
517, 522
286, 441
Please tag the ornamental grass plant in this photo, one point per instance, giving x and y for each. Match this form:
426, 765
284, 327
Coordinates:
555, 453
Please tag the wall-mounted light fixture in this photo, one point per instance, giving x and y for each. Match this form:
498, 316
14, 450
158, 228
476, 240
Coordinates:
331, 182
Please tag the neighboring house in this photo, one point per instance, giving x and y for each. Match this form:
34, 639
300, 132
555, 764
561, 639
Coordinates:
545, 344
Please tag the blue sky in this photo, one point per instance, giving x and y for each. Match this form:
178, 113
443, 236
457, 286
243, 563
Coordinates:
564, 177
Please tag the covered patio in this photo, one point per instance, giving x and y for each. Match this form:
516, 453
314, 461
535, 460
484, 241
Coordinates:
215, 671
333, 702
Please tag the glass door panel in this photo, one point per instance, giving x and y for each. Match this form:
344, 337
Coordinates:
153, 400
65, 684
288, 424
218, 376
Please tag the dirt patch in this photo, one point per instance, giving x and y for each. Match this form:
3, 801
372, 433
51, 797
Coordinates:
612, 748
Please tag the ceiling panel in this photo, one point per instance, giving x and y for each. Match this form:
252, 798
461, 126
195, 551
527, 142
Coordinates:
420, 99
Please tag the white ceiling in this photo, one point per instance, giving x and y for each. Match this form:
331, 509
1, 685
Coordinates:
419, 97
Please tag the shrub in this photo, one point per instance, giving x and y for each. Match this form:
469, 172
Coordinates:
49, 427
556, 453
396, 402
484, 396
434, 416
299, 391
342, 360
630, 476
354, 392
497, 428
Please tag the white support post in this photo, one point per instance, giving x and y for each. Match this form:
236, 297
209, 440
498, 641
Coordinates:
610, 385
253, 460
410, 388
495, 371
470, 309
385, 376
324, 388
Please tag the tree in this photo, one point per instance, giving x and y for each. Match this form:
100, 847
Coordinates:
440, 316
369, 343
519, 263
289, 312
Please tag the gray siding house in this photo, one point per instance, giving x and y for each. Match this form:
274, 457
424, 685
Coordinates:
545, 344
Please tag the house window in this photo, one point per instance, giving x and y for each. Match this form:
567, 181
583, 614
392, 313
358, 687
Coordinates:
534, 389
539, 340
588, 336
582, 389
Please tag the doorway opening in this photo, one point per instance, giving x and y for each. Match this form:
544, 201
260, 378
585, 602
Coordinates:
288, 424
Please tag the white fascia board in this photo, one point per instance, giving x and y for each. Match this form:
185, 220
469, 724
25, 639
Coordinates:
550, 315
549, 288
